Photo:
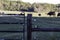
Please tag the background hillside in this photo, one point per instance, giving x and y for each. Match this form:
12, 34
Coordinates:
22, 6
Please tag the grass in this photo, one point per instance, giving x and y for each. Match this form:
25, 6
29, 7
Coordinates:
34, 14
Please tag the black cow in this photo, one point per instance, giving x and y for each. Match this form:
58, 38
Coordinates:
51, 13
58, 14
39, 14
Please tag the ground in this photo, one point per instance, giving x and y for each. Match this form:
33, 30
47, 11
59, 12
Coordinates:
34, 14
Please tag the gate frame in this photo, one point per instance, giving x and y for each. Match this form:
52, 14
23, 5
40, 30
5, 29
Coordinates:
30, 29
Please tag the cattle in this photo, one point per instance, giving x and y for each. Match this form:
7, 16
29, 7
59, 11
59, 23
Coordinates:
51, 13
1, 13
58, 14
39, 14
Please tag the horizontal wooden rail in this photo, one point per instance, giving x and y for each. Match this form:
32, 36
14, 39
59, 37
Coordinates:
46, 29
12, 39
13, 31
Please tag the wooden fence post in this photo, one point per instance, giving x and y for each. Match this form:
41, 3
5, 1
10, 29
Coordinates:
29, 26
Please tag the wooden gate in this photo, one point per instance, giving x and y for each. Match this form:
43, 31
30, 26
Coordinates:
30, 29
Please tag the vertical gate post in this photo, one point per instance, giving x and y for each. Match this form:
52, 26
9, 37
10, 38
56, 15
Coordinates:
29, 26
24, 28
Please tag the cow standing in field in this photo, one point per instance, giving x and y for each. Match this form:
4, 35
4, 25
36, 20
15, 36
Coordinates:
39, 14
51, 13
58, 14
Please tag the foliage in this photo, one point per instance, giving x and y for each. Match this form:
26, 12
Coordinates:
22, 6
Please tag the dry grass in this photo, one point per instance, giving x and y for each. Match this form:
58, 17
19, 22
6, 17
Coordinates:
33, 13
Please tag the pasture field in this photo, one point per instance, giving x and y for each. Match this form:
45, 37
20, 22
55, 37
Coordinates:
34, 14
